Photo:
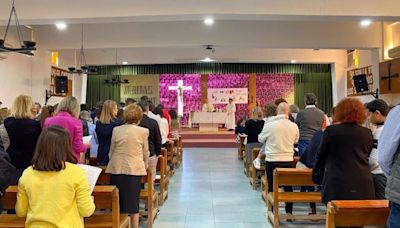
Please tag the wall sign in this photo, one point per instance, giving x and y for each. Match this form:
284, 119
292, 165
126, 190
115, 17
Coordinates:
222, 95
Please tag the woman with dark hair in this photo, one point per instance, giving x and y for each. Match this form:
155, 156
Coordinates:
54, 191
342, 162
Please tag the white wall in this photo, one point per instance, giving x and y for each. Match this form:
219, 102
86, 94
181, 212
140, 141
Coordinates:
79, 84
21, 74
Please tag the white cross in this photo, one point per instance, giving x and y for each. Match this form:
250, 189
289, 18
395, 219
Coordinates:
179, 89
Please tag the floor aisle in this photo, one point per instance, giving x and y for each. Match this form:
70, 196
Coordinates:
211, 191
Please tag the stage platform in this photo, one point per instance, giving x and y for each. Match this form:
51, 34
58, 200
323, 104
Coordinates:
192, 137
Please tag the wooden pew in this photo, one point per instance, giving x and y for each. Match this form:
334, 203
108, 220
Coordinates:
163, 178
254, 171
164, 153
105, 197
245, 162
151, 198
264, 181
241, 147
180, 150
171, 158
150, 195
176, 152
291, 177
357, 213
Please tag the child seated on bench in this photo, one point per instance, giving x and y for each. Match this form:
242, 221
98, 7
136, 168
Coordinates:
54, 191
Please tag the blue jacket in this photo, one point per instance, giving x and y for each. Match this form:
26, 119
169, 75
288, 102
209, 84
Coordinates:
308, 157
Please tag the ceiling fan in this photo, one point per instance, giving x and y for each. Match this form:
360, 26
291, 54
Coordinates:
27, 46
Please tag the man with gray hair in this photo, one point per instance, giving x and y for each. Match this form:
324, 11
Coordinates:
309, 121
279, 137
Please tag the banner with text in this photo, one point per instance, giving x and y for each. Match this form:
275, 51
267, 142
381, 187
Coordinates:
141, 85
222, 95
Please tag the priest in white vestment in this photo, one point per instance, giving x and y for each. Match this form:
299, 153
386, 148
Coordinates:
207, 107
230, 113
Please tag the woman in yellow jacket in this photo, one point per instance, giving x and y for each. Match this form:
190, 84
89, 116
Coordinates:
54, 192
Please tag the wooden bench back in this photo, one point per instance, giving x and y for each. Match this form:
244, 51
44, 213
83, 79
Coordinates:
10, 198
148, 179
357, 213
105, 197
293, 177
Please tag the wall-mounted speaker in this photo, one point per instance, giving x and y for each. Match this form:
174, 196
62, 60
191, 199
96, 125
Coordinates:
360, 83
61, 84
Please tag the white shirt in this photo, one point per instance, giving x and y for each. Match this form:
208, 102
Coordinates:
164, 130
373, 157
155, 117
279, 136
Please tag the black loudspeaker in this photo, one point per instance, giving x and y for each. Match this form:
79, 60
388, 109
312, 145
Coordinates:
360, 82
61, 84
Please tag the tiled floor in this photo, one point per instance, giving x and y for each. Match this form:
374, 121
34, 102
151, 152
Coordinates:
211, 191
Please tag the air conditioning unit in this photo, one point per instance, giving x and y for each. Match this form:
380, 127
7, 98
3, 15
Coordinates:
394, 52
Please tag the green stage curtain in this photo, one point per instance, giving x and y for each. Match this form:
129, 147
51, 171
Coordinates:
98, 90
318, 83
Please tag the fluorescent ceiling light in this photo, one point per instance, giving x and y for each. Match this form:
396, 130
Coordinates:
365, 23
293, 61
124, 63
209, 21
207, 60
61, 26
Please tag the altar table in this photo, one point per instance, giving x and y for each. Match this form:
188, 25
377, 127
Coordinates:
209, 121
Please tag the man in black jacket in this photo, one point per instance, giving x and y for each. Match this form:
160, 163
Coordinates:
154, 136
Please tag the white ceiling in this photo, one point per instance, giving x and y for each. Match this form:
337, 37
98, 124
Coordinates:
168, 31
46, 11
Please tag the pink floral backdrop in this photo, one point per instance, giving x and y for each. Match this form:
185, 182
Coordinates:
191, 98
230, 81
273, 86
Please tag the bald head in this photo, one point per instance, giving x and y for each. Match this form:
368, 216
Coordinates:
283, 108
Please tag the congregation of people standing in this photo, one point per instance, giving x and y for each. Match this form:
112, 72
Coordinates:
37, 142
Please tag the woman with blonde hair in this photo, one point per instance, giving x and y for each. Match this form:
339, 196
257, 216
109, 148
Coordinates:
104, 129
23, 132
67, 116
129, 154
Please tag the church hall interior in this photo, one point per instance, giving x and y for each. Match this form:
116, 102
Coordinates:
223, 113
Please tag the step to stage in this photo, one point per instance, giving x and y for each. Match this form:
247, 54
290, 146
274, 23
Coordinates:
192, 137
